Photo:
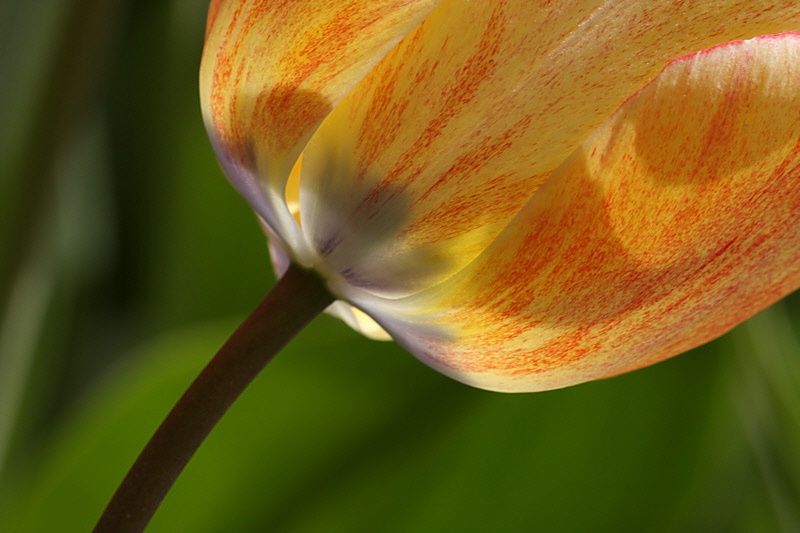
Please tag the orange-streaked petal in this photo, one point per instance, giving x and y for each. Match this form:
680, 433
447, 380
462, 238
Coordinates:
677, 219
425, 162
272, 70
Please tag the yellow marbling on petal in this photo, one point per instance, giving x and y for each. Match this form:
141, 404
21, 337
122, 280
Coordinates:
271, 72
426, 161
676, 220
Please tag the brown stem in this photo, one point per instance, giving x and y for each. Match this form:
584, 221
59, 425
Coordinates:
295, 300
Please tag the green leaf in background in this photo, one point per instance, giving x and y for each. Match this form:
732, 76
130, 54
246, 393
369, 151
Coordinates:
344, 434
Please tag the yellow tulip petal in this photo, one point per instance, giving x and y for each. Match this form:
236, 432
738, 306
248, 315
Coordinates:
426, 161
271, 71
359, 321
677, 219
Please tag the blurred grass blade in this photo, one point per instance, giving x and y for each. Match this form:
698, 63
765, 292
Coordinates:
54, 53
20, 331
769, 404
58, 55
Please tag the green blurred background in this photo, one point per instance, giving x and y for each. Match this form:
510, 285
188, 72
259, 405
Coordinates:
126, 259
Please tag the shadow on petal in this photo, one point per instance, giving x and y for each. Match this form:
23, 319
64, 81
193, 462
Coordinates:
352, 229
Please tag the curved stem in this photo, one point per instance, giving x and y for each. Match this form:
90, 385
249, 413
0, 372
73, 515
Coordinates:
295, 300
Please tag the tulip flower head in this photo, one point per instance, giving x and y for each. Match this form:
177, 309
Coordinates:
525, 195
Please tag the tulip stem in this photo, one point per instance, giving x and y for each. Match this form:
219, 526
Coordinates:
296, 299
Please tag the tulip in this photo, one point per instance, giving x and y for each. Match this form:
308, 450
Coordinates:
525, 195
